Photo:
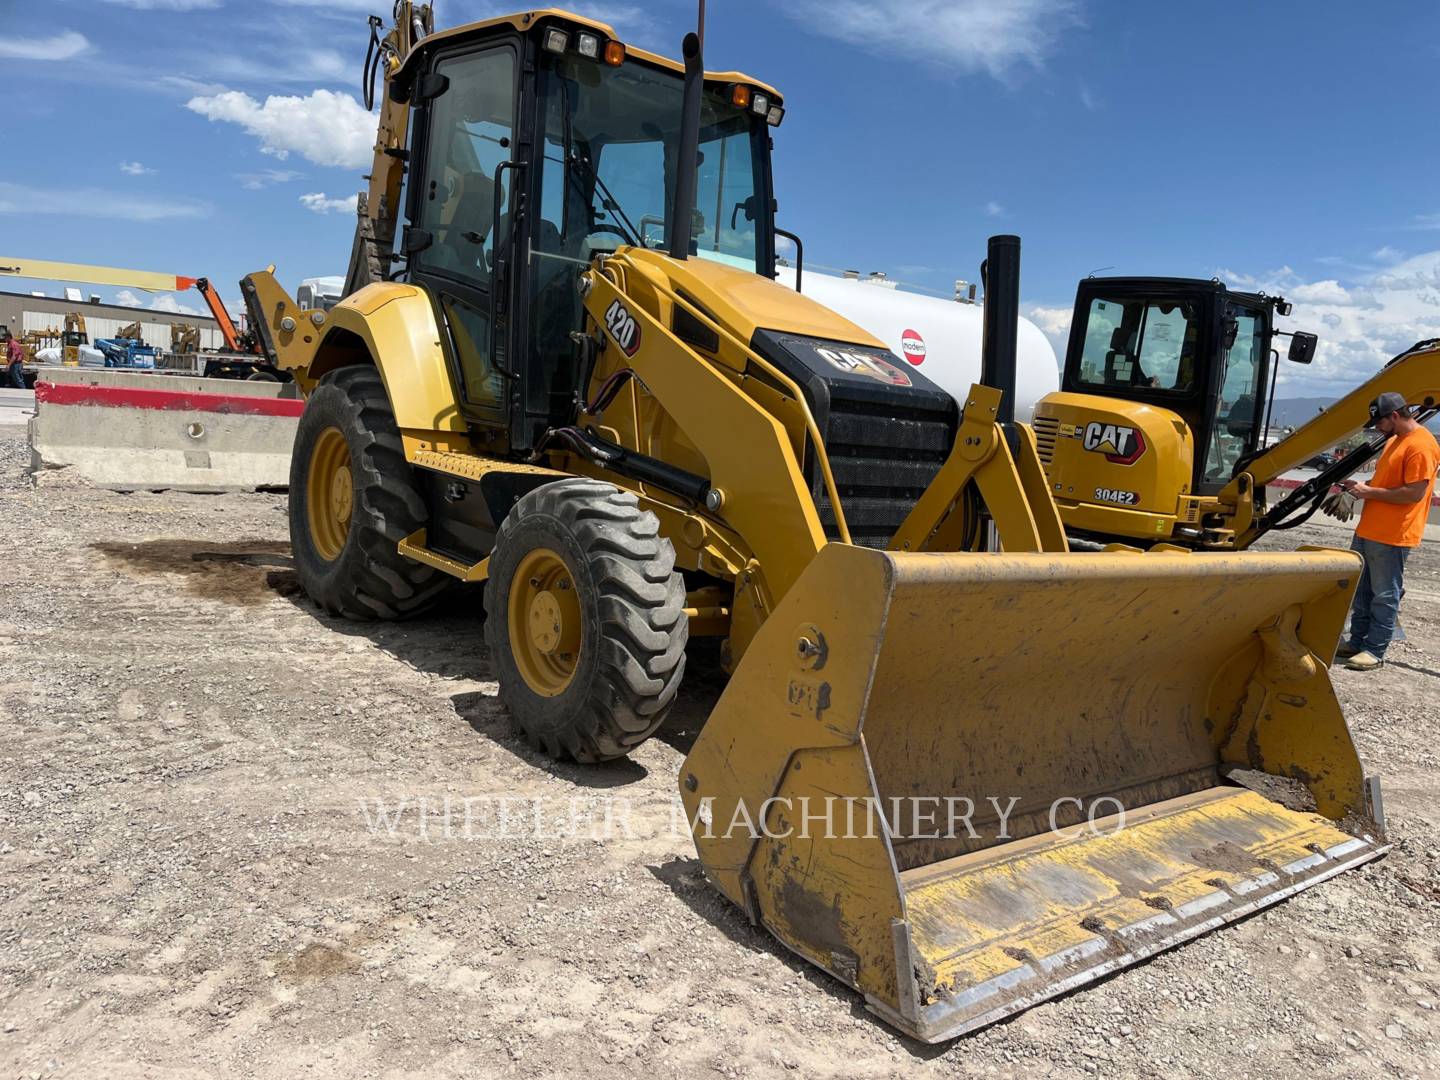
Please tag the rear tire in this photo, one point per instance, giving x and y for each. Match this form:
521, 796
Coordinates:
352, 500
585, 620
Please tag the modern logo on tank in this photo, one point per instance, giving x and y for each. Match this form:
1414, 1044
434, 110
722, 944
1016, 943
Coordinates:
1119, 444
912, 347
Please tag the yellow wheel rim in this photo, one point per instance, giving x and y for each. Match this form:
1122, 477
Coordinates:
330, 493
544, 622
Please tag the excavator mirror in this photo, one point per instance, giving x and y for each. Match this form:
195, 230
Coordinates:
1232, 327
1302, 347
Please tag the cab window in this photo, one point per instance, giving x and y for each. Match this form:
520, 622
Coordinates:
1140, 343
1236, 414
469, 133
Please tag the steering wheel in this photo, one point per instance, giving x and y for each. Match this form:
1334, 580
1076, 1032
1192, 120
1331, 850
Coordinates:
607, 227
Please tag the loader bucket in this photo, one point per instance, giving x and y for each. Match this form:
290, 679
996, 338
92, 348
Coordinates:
965, 783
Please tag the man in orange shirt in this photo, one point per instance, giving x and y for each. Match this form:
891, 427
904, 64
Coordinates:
1397, 501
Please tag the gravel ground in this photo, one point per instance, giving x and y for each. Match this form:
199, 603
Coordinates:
197, 877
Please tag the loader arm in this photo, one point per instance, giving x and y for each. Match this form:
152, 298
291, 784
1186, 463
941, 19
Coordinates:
1414, 374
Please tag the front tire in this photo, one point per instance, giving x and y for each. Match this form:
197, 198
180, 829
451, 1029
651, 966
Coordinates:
352, 500
585, 620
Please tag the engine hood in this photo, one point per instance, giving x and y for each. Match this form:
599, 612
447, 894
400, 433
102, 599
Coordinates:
745, 302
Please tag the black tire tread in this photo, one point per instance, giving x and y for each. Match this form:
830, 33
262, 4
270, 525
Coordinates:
371, 580
640, 598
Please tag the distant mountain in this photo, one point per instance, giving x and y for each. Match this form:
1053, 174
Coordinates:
1292, 412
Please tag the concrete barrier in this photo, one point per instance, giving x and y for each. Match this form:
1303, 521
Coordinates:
164, 380
137, 432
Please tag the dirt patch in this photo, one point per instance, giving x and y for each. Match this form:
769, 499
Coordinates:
318, 961
238, 572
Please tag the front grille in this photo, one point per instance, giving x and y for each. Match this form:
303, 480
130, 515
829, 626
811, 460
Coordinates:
1046, 430
883, 457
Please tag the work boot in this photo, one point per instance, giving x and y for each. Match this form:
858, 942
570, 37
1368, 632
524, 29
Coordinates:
1364, 661
1345, 650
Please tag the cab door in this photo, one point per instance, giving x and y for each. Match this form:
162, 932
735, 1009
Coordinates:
1240, 398
466, 138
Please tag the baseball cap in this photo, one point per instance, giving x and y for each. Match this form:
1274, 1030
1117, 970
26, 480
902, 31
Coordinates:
1387, 403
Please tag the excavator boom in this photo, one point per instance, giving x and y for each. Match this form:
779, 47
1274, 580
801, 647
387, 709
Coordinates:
1414, 374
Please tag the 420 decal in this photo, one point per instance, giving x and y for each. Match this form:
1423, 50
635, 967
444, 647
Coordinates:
623, 328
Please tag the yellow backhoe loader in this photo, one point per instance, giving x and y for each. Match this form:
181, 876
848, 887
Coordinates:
1158, 432
570, 376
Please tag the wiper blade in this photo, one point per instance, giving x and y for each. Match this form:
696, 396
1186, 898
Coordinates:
611, 204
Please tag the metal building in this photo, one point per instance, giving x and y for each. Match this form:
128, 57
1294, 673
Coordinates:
21, 312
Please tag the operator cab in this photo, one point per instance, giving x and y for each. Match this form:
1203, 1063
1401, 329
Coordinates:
537, 142
1190, 346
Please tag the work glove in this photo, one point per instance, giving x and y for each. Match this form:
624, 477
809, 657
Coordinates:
1339, 505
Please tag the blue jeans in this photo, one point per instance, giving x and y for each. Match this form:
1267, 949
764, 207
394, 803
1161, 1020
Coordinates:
1377, 600
17, 376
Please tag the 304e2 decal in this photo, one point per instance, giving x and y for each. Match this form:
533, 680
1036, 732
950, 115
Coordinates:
1114, 495
1121, 445
623, 328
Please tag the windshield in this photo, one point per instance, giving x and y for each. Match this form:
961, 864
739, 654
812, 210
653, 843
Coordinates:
611, 135
608, 141
1144, 343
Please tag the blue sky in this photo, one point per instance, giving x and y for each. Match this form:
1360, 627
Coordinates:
1283, 145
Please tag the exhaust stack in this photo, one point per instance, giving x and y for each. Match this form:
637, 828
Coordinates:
688, 165
1001, 276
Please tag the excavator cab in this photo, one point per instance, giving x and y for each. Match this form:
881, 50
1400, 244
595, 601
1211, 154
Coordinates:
1166, 389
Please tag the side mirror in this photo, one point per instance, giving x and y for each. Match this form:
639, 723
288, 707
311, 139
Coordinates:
1232, 328
1302, 347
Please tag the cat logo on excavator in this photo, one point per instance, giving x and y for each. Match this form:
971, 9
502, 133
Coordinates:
1120, 445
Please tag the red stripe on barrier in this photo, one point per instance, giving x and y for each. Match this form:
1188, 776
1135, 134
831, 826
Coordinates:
127, 397
1290, 485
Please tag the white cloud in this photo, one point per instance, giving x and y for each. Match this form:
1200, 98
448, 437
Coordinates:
165, 302
169, 5
96, 203
255, 181
1055, 322
325, 127
963, 36
174, 307
323, 204
63, 46
134, 168
1361, 323
994, 209
1328, 291
1425, 221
